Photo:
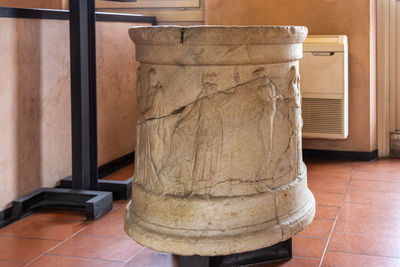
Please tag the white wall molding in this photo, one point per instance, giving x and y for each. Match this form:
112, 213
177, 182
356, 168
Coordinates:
386, 93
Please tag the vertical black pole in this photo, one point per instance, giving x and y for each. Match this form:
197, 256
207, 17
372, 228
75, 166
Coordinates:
83, 94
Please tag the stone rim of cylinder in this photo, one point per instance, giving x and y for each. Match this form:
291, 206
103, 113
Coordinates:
217, 35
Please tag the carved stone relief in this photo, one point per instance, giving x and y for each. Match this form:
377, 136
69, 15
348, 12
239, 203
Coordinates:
218, 153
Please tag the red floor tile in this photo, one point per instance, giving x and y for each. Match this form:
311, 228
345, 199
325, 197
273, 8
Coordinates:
376, 176
327, 186
382, 165
24, 249
328, 176
314, 160
318, 228
365, 245
333, 259
326, 212
363, 210
368, 226
338, 167
122, 174
328, 199
112, 225
58, 214
4, 263
379, 198
308, 247
374, 186
34, 227
61, 261
96, 247
154, 259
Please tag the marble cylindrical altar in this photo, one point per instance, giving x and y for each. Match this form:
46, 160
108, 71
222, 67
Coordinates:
218, 167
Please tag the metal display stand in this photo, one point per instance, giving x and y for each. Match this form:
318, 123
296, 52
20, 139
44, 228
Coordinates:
84, 183
279, 252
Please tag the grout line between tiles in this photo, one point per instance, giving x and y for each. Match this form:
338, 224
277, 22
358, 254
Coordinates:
373, 180
4, 260
369, 203
328, 239
376, 181
324, 205
56, 246
374, 191
342, 194
374, 235
42, 217
88, 258
309, 258
325, 192
137, 253
29, 237
59, 220
107, 236
315, 237
371, 255
371, 219
324, 219
337, 216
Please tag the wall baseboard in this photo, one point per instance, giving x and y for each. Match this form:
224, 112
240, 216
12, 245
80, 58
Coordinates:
104, 170
5, 217
334, 154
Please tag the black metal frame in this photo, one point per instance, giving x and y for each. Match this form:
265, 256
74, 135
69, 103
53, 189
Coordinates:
83, 94
57, 14
119, 189
84, 181
278, 252
94, 203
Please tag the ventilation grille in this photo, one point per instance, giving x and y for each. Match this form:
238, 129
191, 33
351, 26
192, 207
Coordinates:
321, 115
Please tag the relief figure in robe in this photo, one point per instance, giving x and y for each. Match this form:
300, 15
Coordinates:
155, 143
209, 135
294, 105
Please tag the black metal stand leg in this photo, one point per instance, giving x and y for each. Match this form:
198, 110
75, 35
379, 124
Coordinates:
83, 105
84, 126
83, 94
279, 252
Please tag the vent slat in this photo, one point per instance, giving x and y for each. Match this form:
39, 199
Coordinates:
321, 115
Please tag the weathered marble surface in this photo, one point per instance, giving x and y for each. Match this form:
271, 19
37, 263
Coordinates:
218, 166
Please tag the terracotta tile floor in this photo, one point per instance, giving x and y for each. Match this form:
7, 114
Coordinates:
357, 223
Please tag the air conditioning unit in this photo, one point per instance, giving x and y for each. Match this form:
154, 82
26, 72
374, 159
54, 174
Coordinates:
324, 87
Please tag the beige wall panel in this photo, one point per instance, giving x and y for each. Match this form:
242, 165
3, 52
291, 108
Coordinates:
354, 18
116, 97
35, 101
